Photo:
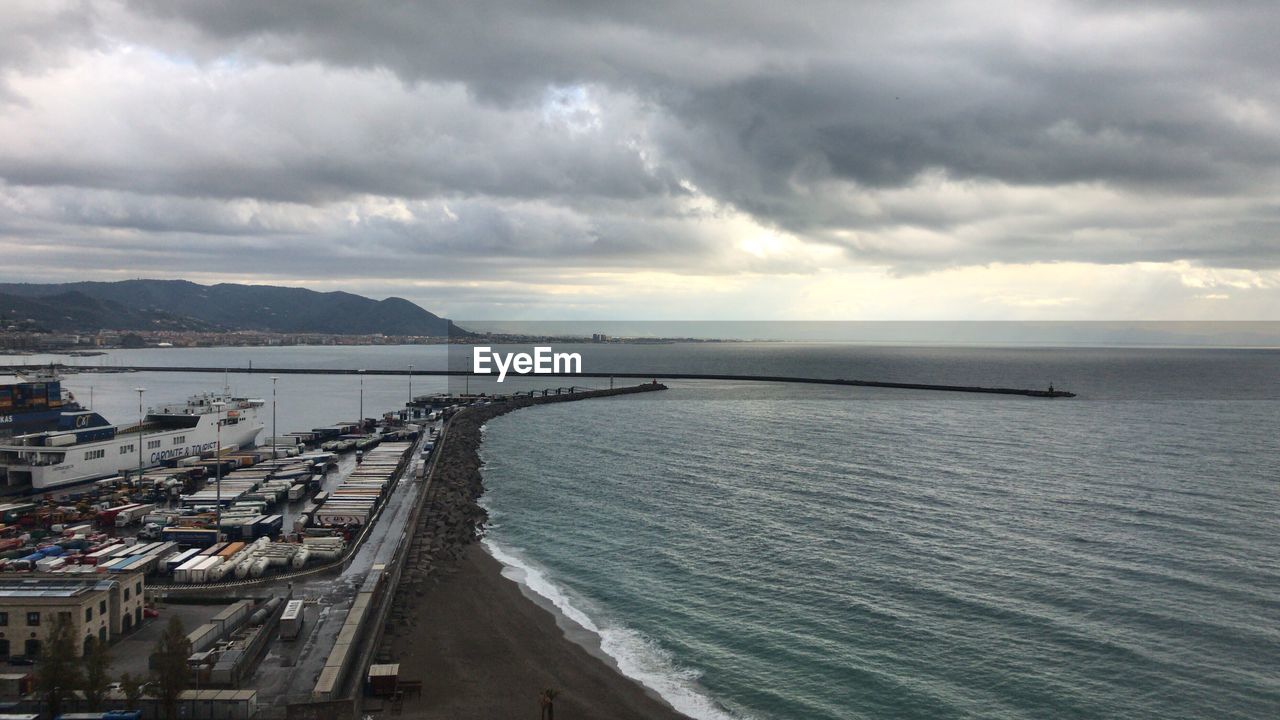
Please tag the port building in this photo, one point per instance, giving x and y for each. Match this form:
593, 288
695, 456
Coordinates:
98, 607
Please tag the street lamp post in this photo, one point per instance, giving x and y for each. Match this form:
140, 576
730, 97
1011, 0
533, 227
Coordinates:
275, 439
217, 507
410, 382
140, 390
361, 418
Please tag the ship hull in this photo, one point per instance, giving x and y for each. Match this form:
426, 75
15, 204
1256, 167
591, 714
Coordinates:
84, 462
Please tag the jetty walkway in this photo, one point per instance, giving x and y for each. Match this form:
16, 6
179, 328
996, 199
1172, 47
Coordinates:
1049, 392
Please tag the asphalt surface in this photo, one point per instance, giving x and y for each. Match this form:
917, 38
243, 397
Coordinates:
133, 652
290, 669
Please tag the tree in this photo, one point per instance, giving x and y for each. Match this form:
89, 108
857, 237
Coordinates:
548, 704
173, 675
97, 674
58, 675
132, 688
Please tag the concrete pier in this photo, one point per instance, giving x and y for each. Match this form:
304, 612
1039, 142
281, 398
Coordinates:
1049, 392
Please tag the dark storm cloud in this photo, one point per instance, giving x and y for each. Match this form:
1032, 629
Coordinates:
502, 50
853, 90
915, 134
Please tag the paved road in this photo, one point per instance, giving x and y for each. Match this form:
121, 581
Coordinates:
290, 669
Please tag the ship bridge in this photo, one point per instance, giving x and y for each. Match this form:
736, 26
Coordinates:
206, 404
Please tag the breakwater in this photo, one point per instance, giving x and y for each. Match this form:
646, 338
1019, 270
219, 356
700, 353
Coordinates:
1049, 392
451, 518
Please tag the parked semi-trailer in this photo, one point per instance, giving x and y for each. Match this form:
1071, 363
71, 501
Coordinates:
291, 621
132, 514
190, 537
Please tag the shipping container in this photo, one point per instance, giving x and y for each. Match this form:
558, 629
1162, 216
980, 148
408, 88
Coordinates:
339, 518
200, 573
101, 554
107, 517
190, 537
383, 680
232, 617
269, 526
292, 620
182, 573
203, 637
213, 549
172, 562
132, 514
230, 550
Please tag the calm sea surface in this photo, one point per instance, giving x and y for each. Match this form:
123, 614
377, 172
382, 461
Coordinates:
772, 551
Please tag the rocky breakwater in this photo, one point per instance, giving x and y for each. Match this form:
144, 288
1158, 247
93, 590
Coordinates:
452, 518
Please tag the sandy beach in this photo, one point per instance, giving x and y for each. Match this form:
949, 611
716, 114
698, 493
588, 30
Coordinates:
478, 645
484, 650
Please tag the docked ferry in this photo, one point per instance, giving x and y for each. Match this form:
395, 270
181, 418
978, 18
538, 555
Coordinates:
84, 446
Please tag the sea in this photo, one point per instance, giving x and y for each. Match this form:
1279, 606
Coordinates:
760, 550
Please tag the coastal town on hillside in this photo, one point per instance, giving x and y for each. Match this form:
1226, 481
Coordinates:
14, 338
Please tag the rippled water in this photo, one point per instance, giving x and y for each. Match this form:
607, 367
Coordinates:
775, 551
791, 553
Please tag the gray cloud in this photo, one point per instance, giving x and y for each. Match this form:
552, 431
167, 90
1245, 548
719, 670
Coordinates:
476, 135
309, 135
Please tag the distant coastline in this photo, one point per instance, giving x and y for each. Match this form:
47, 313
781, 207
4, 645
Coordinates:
102, 344
96, 345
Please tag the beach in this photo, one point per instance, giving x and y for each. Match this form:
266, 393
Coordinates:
480, 647
484, 650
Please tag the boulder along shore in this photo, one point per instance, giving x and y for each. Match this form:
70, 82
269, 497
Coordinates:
480, 647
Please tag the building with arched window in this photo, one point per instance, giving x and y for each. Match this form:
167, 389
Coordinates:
97, 606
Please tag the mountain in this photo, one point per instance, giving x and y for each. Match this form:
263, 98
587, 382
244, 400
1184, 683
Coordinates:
179, 304
76, 312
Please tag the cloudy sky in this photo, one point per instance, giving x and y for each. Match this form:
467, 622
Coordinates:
764, 160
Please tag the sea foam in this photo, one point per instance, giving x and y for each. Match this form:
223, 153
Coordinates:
637, 657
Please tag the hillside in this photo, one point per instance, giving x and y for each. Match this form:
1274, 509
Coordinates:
183, 305
76, 312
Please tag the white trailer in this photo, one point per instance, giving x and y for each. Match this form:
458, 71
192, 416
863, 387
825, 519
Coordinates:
291, 621
200, 573
133, 514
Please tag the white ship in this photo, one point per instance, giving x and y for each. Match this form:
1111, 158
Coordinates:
87, 447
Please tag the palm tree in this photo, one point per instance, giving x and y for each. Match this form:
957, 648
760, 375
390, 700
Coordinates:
548, 704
